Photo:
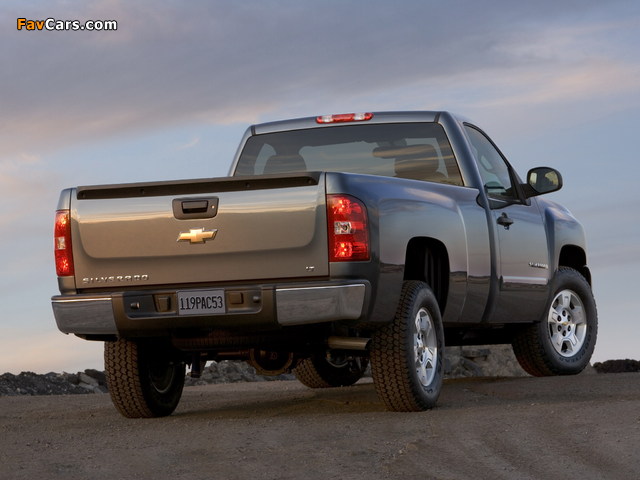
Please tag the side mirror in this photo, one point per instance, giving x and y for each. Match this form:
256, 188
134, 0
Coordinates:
542, 180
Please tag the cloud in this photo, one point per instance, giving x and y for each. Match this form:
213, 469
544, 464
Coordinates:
222, 63
578, 83
190, 144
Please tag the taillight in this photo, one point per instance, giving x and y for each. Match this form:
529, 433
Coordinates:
344, 117
347, 227
62, 244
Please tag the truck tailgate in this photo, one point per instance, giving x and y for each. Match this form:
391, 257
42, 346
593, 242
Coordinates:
200, 231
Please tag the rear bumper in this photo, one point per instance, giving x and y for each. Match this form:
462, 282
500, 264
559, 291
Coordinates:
154, 312
89, 315
303, 305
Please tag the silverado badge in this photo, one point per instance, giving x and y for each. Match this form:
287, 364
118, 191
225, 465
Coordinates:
197, 235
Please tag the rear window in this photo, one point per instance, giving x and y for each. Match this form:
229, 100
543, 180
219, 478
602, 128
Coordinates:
419, 151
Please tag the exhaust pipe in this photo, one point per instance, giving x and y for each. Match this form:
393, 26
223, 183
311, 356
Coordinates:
348, 343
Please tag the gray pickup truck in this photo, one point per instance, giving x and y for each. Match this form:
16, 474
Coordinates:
336, 242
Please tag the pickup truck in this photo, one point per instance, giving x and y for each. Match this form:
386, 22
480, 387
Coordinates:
335, 243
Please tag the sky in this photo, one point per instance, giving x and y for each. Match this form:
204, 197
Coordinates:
169, 94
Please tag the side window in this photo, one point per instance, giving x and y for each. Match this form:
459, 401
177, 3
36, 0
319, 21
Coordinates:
494, 171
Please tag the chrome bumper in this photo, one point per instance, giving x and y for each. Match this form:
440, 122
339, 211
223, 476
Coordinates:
94, 314
305, 305
85, 315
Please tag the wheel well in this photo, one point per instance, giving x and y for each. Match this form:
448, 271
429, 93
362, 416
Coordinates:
427, 260
576, 258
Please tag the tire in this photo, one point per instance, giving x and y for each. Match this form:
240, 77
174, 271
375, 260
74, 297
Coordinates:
563, 341
143, 379
322, 371
407, 356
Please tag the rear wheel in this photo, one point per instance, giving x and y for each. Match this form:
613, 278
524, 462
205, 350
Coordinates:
331, 370
407, 356
563, 341
145, 380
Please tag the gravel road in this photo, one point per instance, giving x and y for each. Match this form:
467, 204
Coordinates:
583, 427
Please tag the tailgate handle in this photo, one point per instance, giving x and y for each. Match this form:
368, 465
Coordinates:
187, 208
195, 206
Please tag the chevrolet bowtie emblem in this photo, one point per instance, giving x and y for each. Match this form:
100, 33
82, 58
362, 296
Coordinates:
197, 235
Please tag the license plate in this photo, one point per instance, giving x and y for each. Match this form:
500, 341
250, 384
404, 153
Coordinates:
201, 302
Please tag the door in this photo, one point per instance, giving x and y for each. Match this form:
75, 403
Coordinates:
521, 265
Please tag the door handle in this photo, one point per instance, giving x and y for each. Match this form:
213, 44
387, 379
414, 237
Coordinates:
505, 221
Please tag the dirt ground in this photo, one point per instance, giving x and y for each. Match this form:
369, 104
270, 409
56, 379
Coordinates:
583, 427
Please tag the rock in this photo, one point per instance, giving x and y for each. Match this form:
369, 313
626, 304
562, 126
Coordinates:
482, 361
29, 383
617, 366
86, 381
229, 371
93, 380
72, 378
471, 361
97, 375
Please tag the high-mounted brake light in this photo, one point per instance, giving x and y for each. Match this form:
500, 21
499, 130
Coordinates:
347, 228
344, 117
62, 244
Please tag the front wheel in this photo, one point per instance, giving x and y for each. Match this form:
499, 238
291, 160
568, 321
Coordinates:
145, 380
407, 356
563, 341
